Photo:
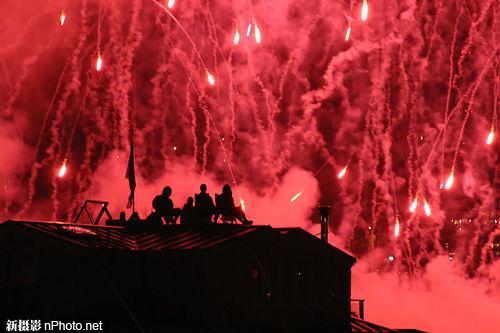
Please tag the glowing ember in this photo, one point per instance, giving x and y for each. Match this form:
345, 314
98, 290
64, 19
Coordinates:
62, 170
296, 196
210, 78
98, 64
236, 37
491, 136
396, 229
427, 208
342, 172
62, 18
257, 34
449, 181
348, 33
170, 3
242, 203
413, 205
249, 29
364, 10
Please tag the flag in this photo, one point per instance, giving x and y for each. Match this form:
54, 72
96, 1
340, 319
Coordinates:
130, 175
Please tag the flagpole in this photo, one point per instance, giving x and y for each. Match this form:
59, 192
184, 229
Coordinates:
130, 166
132, 131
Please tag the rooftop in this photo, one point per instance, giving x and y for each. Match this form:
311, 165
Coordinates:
137, 237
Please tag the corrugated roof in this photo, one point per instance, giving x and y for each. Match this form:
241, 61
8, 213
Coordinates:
139, 237
360, 325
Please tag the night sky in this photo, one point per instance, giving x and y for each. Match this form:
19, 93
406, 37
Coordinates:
310, 105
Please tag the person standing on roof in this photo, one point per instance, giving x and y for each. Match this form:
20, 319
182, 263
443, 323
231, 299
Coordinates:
204, 205
164, 206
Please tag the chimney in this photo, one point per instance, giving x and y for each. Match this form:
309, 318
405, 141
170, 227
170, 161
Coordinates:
324, 211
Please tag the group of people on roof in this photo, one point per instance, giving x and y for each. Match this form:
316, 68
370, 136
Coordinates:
198, 211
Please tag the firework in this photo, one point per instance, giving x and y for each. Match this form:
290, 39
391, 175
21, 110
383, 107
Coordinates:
364, 10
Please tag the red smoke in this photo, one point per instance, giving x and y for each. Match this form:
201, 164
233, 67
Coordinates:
407, 100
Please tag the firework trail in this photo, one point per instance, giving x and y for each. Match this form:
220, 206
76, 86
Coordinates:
296, 99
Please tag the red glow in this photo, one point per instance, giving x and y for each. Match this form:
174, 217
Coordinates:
300, 99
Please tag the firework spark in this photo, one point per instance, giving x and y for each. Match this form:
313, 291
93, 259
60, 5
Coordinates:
364, 10
62, 170
296, 196
62, 18
236, 38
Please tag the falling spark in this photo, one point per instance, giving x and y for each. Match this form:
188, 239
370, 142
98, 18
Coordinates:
348, 33
170, 3
257, 34
396, 229
413, 205
427, 208
62, 170
98, 64
364, 10
491, 136
296, 196
242, 203
236, 37
249, 29
62, 18
210, 78
449, 181
342, 172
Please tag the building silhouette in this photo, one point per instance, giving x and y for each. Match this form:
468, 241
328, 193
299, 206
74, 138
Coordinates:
218, 278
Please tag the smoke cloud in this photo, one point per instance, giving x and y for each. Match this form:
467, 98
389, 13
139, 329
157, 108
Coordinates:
409, 99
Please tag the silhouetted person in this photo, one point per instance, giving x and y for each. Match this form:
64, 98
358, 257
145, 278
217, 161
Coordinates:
134, 218
154, 220
164, 206
204, 205
188, 213
123, 218
225, 207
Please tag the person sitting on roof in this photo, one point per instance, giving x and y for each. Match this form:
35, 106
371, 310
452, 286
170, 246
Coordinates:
204, 205
164, 206
153, 220
123, 218
134, 218
225, 207
188, 213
